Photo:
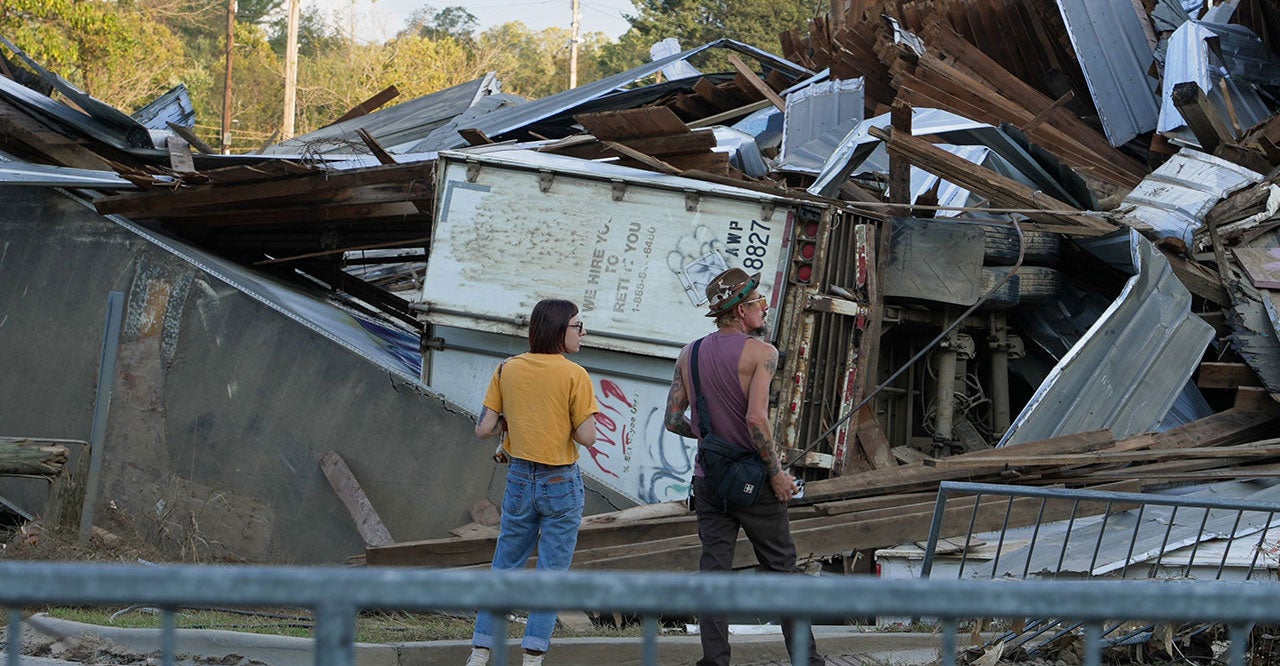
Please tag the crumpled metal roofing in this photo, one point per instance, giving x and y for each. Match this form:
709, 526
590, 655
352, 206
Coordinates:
133, 133
1114, 54
397, 128
1190, 59
859, 152
172, 107
504, 120
1130, 366
391, 348
1174, 198
821, 108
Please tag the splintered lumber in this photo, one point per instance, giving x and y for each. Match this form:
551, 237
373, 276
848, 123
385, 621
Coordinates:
919, 476
1214, 375
372, 104
632, 123
984, 182
596, 532
344, 483
27, 456
821, 537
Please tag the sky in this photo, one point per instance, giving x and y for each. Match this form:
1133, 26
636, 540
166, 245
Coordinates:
377, 20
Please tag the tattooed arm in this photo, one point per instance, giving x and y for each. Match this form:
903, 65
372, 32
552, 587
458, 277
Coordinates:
490, 423
678, 401
758, 418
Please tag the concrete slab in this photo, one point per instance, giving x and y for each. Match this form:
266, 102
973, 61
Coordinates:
849, 643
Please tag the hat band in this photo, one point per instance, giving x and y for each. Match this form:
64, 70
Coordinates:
737, 298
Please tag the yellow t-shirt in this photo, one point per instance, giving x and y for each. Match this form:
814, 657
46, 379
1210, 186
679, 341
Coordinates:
543, 397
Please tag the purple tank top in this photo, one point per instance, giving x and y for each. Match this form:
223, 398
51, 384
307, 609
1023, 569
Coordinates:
718, 358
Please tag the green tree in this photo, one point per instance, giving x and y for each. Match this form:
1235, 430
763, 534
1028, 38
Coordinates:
696, 22
106, 49
315, 35
427, 21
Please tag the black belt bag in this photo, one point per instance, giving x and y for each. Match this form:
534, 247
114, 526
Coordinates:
736, 474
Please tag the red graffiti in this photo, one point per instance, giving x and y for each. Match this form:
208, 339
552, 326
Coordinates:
611, 432
612, 390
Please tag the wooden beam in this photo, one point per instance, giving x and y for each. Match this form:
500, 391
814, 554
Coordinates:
1196, 278
819, 537
754, 80
374, 147
984, 182
28, 456
731, 114
1214, 375
1201, 116
344, 483
373, 103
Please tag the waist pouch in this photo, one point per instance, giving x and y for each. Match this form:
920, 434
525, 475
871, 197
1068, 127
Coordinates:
737, 475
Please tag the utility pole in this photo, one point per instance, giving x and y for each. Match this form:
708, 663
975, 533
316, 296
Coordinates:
226, 88
573, 49
291, 71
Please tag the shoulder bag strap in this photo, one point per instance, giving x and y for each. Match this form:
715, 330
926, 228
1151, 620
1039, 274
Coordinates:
704, 419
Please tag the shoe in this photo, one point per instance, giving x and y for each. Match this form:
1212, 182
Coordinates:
532, 659
479, 657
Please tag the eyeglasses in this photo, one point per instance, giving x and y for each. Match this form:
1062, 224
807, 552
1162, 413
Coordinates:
582, 328
762, 301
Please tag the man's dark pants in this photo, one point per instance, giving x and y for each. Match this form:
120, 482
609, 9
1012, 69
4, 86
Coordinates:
766, 526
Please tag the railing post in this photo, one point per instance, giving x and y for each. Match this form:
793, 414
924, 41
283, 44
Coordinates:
335, 639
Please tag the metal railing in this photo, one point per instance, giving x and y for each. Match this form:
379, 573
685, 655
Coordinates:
336, 595
1139, 544
1123, 530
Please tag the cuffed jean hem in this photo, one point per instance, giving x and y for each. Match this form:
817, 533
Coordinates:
529, 642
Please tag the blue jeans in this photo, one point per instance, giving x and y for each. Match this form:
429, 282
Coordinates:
542, 506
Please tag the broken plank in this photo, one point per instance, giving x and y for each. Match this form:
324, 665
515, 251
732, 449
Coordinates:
373, 103
344, 483
28, 456
821, 537
1197, 279
872, 440
632, 123
1215, 375
1254, 398
1001, 190
754, 80
1201, 115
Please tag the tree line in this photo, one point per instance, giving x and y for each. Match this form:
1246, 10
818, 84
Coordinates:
128, 52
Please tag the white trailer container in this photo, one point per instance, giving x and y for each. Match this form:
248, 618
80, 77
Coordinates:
632, 248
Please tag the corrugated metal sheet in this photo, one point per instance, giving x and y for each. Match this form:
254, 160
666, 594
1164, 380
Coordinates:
400, 127
25, 173
819, 109
172, 107
1128, 369
1115, 55
506, 120
1174, 198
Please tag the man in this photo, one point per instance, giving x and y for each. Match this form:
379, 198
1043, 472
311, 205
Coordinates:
735, 370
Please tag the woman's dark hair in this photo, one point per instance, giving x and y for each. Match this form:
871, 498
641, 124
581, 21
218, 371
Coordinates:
547, 324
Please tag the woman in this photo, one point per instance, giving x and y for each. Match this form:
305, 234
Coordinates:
546, 405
